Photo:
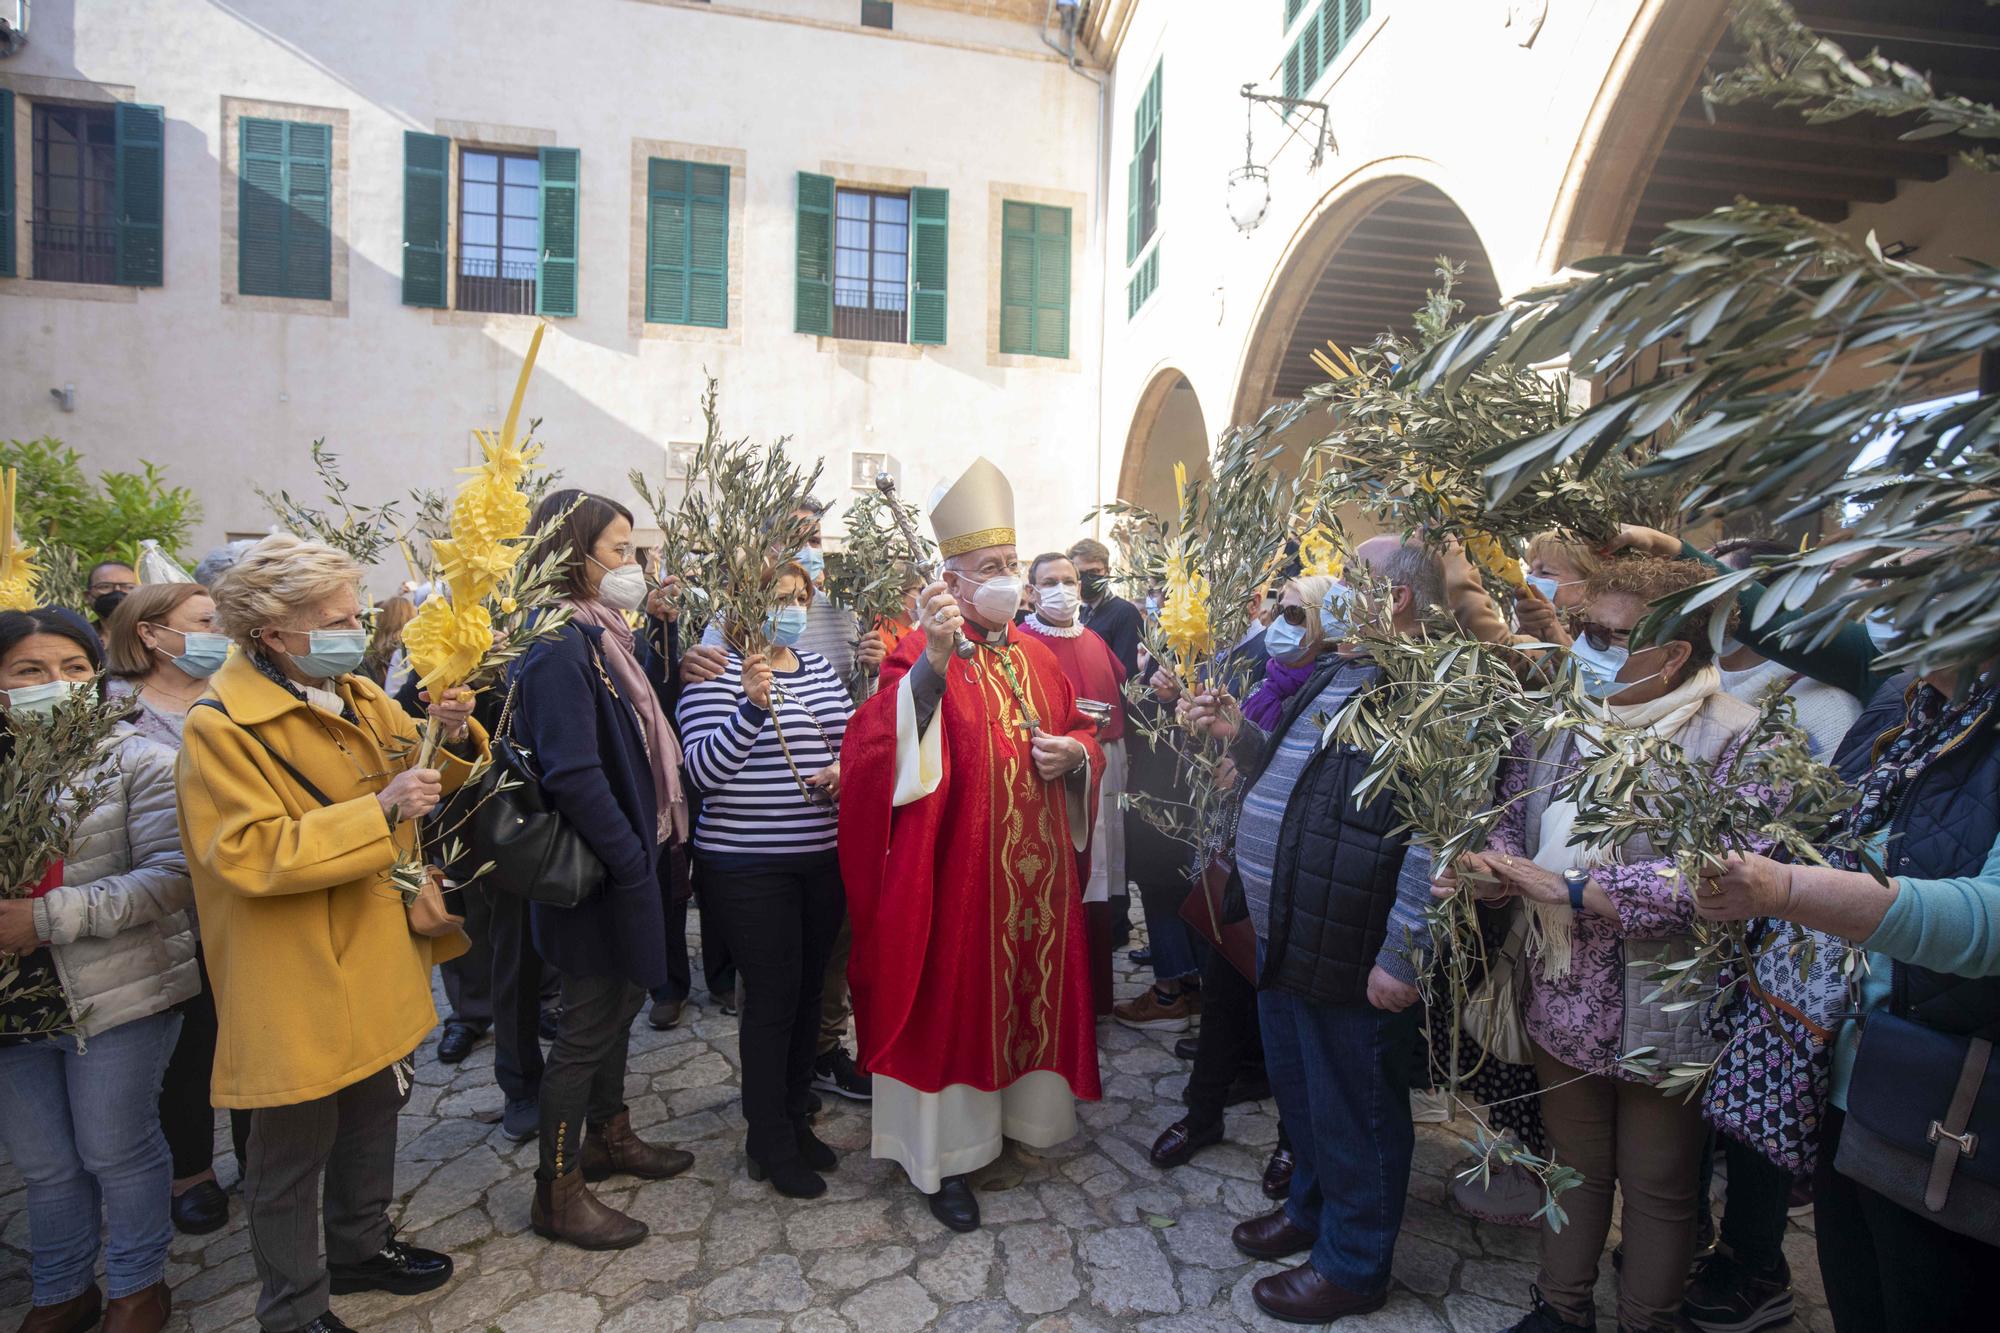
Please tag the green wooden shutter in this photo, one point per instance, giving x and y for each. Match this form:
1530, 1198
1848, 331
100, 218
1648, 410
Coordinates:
260, 207
308, 267
666, 241
708, 245
813, 274
555, 282
6, 183
139, 139
426, 217
1017, 278
930, 248
1145, 125
1132, 207
1051, 281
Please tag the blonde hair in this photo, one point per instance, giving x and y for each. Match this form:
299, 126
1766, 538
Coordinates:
274, 580
1313, 588
1577, 555
125, 653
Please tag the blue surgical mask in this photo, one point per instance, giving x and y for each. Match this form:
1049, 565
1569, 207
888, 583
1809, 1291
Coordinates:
1881, 630
813, 561
1546, 586
331, 652
1284, 639
1336, 611
201, 655
784, 626
39, 701
1600, 668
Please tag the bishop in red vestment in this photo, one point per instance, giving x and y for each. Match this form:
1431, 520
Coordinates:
968, 786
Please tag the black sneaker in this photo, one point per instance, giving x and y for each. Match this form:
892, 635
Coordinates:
1542, 1318
1725, 1297
521, 1119
402, 1269
834, 1072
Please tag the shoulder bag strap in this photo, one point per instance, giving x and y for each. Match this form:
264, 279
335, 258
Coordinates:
304, 782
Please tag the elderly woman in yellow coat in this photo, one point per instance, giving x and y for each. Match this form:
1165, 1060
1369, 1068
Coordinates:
298, 793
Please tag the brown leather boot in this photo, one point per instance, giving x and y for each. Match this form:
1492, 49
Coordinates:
565, 1209
144, 1311
612, 1148
72, 1316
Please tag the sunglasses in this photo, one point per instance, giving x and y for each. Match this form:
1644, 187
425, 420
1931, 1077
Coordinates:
1602, 637
1293, 615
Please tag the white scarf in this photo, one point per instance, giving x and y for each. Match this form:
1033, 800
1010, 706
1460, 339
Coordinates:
1553, 924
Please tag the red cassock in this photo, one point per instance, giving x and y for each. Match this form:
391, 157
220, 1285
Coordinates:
968, 964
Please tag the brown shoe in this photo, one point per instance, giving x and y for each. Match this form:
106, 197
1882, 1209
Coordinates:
1272, 1237
565, 1209
1278, 1174
1301, 1296
612, 1149
1180, 1141
144, 1311
72, 1316
1153, 1012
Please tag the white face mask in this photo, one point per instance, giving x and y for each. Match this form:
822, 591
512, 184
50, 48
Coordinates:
621, 589
39, 701
998, 598
1059, 603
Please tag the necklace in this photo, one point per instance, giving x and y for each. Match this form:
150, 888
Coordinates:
180, 703
1029, 722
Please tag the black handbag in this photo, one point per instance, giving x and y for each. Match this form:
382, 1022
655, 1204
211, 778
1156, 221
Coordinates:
1923, 1124
525, 846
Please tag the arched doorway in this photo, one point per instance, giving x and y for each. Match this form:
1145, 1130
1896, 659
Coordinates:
1364, 266
1167, 428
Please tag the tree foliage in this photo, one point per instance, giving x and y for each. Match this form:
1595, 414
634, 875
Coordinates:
59, 506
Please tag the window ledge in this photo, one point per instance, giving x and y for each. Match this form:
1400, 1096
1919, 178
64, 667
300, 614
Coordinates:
867, 347
1029, 361
660, 331
487, 319
335, 308
68, 291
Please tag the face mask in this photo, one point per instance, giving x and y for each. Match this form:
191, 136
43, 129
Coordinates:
998, 598
102, 606
330, 652
1060, 602
201, 655
784, 626
813, 561
39, 701
1094, 586
1336, 612
1601, 667
1546, 586
623, 588
1284, 639
1881, 630
1731, 647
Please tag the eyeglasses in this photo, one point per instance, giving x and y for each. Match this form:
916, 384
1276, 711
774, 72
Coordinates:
1602, 637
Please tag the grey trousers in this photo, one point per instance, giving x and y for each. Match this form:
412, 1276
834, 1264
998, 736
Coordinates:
349, 1138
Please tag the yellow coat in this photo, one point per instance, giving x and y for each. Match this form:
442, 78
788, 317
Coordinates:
318, 980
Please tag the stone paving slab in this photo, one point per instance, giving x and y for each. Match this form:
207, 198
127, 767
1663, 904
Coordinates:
1093, 1240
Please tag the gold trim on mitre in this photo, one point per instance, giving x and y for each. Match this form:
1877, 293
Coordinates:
976, 512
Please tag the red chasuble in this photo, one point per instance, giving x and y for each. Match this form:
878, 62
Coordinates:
968, 963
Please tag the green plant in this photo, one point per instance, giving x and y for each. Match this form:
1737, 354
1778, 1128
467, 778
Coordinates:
58, 505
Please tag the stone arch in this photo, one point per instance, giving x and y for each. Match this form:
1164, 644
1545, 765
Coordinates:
1168, 427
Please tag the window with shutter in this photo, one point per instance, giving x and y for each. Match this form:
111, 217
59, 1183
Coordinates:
555, 287
426, 193
499, 231
687, 243
1319, 40
1143, 179
930, 253
813, 256
7, 261
1034, 279
139, 133
284, 209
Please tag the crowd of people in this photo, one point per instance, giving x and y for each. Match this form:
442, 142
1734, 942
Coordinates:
923, 830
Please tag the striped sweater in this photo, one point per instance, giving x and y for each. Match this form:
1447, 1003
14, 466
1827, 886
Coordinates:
750, 802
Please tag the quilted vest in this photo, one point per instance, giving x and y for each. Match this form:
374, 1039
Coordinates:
1683, 1036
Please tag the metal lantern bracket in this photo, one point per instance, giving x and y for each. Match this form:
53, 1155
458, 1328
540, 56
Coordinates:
1317, 116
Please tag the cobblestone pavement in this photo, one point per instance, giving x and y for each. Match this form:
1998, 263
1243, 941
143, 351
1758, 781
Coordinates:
1094, 1239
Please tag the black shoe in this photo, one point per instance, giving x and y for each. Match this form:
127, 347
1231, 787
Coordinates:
521, 1119
813, 1105
1185, 1048
814, 1152
665, 1015
955, 1204
1541, 1318
835, 1072
1725, 1297
1247, 1088
326, 1323
1140, 957
456, 1042
201, 1209
791, 1177
546, 1024
402, 1269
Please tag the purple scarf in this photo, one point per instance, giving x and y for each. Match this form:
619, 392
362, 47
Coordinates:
663, 749
1267, 702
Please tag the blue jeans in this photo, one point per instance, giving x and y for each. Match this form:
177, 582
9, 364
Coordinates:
1341, 1076
84, 1129
1172, 943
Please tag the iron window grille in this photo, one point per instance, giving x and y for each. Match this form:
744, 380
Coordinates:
871, 265
75, 184
500, 219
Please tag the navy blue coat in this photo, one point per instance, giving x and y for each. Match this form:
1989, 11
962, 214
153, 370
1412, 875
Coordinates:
586, 745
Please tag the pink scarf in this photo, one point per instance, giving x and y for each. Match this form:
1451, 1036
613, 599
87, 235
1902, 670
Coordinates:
663, 749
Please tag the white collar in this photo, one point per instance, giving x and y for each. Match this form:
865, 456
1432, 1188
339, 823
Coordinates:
1040, 626
327, 701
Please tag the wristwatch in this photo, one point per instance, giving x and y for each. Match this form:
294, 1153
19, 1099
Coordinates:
1577, 881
